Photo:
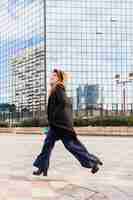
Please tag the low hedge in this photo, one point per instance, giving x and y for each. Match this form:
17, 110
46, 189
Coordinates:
80, 122
32, 123
105, 121
4, 124
97, 121
109, 121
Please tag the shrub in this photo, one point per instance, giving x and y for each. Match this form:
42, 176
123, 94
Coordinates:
32, 123
105, 121
130, 121
80, 122
97, 121
4, 124
109, 121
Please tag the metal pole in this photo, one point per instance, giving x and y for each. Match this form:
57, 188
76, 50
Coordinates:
124, 96
45, 61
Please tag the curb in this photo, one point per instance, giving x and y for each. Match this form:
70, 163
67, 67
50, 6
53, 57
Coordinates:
82, 131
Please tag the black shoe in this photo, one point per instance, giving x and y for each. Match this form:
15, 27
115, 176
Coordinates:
95, 169
45, 173
96, 159
100, 162
39, 172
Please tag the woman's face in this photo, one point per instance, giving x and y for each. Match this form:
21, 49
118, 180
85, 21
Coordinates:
53, 78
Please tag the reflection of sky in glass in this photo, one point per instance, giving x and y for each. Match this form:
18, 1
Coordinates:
10, 49
20, 28
13, 48
94, 40
13, 4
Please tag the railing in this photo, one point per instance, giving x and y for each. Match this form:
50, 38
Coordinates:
105, 110
90, 112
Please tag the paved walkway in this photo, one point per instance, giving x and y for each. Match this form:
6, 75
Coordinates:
66, 180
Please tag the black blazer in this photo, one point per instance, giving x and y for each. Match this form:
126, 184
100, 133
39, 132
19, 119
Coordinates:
59, 110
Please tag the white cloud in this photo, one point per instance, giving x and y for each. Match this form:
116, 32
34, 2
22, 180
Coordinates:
26, 21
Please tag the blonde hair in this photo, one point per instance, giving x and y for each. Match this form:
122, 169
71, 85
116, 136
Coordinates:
62, 77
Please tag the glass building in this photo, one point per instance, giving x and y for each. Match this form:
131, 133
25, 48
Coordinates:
92, 40
22, 59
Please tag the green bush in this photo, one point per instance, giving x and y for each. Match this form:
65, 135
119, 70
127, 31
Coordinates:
130, 121
97, 121
4, 124
32, 123
80, 122
105, 121
109, 121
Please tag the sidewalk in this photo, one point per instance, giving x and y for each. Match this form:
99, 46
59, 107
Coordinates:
66, 180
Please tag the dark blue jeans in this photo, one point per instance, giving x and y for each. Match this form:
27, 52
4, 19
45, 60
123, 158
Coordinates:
71, 143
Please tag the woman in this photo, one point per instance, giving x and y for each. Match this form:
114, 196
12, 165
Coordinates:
61, 128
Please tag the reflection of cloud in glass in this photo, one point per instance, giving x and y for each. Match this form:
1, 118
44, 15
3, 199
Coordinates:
13, 4
20, 28
13, 48
12, 7
19, 16
20, 45
8, 49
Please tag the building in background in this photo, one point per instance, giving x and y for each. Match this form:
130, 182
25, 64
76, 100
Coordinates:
28, 85
22, 59
92, 40
87, 96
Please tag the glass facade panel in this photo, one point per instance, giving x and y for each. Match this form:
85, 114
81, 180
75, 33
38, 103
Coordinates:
92, 40
22, 84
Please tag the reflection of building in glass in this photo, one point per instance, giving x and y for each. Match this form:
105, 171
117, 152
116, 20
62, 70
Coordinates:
22, 58
87, 96
94, 41
28, 87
